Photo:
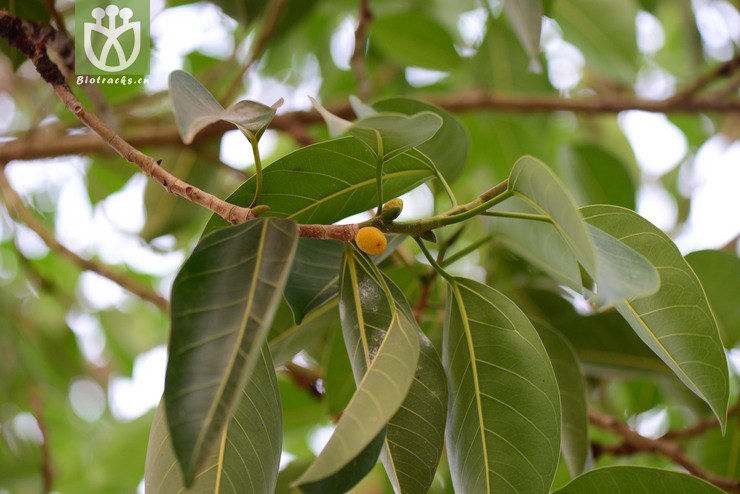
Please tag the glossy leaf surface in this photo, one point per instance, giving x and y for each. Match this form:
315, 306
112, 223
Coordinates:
390, 134
448, 147
536, 241
342, 177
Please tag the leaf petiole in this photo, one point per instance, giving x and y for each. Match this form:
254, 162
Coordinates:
379, 160
433, 262
254, 142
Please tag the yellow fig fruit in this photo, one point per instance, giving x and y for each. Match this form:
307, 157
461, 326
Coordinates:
370, 240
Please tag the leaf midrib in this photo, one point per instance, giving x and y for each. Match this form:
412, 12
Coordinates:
476, 384
353, 188
237, 347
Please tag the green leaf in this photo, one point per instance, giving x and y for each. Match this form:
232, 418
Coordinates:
574, 430
448, 148
623, 272
287, 337
606, 345
366, 309
251, 117
536, 241
604, 31
535, 183
339, 380
248, 454
169, 214
413, 445
382, 384
341, 174
195, 108
619, 271
502, 64
676, 322
314, 278
716, 451
682, 53
636, 480
351, 473
503, 425
526, 18
596, 176
390, 134
105, 177
414, 39
223, 302
719, 273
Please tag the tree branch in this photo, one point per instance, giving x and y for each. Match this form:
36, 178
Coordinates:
149, 166
40, 145
634, 442
30, 38
427, 282
21, 213
47, 474
699, 427
305, 378
726, 69
357, 60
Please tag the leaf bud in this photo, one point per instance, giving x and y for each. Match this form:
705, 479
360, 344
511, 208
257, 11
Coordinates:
391, 209
429, 236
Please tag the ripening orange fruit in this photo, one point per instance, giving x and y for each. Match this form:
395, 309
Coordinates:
370, 240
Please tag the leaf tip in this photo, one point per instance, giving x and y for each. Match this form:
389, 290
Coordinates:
336, 125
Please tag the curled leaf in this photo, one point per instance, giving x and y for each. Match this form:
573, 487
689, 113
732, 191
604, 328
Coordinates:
195, 108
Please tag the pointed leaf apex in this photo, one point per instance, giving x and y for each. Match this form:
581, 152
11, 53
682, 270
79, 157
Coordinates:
534, 66
336, 125
251, 117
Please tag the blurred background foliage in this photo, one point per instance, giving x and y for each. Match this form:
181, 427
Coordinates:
82, 360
